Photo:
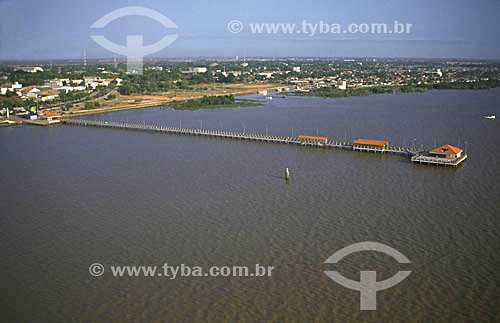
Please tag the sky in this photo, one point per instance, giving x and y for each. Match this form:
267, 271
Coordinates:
39, 30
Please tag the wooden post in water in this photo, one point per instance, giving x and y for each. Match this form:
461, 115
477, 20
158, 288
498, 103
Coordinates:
287, 174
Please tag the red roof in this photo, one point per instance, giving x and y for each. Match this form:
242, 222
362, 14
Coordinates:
371, 142
49, 114
26, 90
446, 149
50, 92
313, 137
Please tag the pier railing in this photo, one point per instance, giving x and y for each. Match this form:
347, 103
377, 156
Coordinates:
333, 144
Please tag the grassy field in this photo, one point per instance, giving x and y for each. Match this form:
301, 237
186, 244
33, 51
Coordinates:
123, 102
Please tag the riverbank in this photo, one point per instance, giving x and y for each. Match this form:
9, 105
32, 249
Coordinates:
364, 91
129, 102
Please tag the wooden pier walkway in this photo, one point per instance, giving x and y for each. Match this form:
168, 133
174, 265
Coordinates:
331, 144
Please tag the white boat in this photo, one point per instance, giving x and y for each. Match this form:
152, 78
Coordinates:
490, 117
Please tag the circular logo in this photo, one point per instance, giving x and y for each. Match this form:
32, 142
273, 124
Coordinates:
235, 26
96, 269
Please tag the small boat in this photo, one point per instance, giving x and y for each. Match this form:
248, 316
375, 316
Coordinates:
490, 117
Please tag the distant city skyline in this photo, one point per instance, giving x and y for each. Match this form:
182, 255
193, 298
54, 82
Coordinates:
31, 30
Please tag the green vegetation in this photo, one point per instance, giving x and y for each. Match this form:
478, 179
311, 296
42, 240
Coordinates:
91, 105
213, 102
72, 96
15, 102
336, 93
174, 79
478, 85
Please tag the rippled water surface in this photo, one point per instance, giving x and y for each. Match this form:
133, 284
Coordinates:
74, 196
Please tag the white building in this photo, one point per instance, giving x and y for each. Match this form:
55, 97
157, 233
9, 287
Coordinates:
54, 82
234, 73
49, 97
296, 69
15, 86
29, 69
266, 74
342, 85
66, 89
12, 88
199, 69
88, 80
30, 92
107, 81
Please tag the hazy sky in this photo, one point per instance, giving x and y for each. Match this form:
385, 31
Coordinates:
441, 28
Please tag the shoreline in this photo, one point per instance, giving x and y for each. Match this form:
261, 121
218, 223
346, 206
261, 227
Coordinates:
383, 90
151, 103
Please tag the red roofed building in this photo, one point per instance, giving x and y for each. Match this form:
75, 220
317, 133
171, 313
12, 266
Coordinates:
107, 81
442, 155
370, 142
325, 139
370, 145
49, 115
312, 140
446, 151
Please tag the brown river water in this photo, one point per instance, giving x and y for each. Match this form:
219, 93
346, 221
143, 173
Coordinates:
74, 196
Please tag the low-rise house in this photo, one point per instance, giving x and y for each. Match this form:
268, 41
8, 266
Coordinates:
195, 70
48, 95
28, 92
54, 82
106, 82
266, 74
88, 80
49, 116
29, 69
95, 84
16, 86
63, 81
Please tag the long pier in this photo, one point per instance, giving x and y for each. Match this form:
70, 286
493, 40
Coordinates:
331, 144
